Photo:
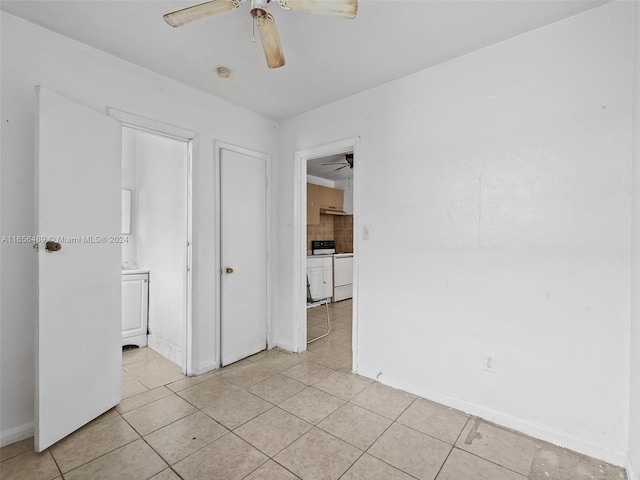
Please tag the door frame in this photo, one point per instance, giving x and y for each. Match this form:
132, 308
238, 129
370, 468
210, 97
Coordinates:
300, 244
218, 146
191, 138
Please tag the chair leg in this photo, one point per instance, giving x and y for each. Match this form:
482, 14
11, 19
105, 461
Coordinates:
328, 327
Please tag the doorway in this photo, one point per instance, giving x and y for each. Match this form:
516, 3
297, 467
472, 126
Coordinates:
155, 170
344, 312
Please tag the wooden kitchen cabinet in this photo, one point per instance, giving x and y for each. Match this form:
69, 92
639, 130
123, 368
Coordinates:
313, 204
331, 198
338, 199
326, 197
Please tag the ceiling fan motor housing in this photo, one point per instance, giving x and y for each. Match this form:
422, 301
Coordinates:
258, 8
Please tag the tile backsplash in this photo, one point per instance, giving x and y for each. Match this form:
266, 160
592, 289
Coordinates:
324, 231
333, 227
343, 233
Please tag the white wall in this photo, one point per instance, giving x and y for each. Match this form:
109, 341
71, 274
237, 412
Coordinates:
347, 186
161, 237
31, 56
634, 402
497, 189
320, 181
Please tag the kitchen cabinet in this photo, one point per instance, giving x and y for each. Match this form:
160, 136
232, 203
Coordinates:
324, 198
135, 307
313, 204
320, 276
331, 198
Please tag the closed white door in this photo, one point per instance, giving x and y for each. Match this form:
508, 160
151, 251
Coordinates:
243, 212
78, 351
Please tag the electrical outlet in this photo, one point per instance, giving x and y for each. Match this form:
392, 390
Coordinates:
489, 363
366, 232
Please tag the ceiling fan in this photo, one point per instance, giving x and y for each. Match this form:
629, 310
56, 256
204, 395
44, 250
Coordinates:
264, 20
348, 162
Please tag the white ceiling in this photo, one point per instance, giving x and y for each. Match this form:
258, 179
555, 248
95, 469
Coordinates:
328, 58
318, 167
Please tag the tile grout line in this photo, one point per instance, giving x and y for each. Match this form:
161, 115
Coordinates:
99, 456
479, 421
103, 455
393, 421
470, 418
495, 463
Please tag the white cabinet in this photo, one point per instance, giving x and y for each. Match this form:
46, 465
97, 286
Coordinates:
320, 276
343, 276
315, 277
135, 308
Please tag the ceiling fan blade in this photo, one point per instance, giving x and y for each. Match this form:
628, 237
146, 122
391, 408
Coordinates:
270, 41
190, 14
345, 166
339, 8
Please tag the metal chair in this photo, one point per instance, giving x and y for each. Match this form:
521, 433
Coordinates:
311, 303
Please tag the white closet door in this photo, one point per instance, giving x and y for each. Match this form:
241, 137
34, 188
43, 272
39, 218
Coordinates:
243, 255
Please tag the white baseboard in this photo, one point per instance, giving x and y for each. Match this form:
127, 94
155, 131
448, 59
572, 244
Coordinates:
286, 346
165, 349
579, 443
16, 434
206, 367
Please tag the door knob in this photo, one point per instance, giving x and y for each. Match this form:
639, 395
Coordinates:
229, 270
52, 246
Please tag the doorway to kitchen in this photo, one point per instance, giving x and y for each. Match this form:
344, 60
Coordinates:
156, 258
326, 317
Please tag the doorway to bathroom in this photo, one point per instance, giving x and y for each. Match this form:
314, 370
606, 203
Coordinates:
156, 175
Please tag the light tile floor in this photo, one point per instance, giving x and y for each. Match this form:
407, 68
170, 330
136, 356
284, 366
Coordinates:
281, 416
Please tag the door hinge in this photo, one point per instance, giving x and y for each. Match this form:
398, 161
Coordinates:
266, 182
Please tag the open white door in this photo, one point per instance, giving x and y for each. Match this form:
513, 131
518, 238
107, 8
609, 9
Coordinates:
77, 184
243, 212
